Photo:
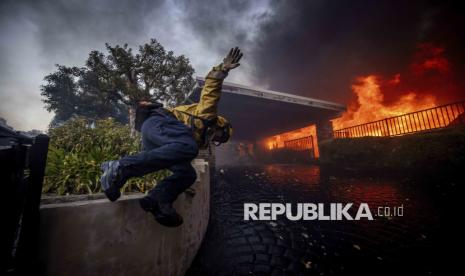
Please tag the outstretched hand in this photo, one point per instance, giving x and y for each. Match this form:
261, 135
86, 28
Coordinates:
231, 61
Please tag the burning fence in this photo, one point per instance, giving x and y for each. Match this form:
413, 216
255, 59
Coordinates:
410, 113
406, 103
299, 140
300, 144
412, 100
418, 121
370, 104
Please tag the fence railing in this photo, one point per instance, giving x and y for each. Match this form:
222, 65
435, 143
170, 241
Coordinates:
22, 162
418, 121
304, 143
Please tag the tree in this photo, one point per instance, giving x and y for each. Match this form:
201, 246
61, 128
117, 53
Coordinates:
111, 85
64, 95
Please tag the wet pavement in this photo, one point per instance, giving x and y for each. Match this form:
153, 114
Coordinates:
421, 242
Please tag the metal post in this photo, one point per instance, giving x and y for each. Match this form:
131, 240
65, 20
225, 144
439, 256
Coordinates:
29, 229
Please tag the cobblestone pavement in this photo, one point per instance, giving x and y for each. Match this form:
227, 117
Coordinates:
412, 244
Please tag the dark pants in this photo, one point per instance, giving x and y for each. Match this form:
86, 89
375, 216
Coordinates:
168, 144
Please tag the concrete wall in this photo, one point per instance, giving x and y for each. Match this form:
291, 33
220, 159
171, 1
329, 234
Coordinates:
97, 237
438, 151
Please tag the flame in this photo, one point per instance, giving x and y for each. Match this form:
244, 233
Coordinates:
279, 141
428, 77
272, 144
370, 104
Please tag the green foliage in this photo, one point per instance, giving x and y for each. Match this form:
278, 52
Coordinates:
77, 149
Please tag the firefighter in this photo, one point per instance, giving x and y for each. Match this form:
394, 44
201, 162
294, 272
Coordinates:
171, 139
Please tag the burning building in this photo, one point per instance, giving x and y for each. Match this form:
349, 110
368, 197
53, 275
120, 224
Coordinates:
265, 120
415, 99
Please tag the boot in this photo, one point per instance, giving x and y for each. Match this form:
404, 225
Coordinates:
111, 179
164, 213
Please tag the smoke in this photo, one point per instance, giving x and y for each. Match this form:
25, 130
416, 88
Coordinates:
36, 35
311, 48
318, 48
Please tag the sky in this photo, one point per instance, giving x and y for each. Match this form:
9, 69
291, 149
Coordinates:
310, 48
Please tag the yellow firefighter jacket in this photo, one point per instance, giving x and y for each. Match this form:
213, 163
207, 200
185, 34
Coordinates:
198, 115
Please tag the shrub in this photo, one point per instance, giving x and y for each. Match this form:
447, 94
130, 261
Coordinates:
77, 149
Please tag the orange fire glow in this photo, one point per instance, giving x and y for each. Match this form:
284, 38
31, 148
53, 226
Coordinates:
370, 104
279, 141
427, 82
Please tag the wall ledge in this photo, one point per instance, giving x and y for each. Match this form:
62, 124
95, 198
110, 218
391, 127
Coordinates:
98, 237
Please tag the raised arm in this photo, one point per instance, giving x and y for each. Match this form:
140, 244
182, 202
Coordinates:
207, 107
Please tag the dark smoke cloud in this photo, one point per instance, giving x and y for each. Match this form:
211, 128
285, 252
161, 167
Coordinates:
64, 27
35, 35
317, 48
312, 48
223, 23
